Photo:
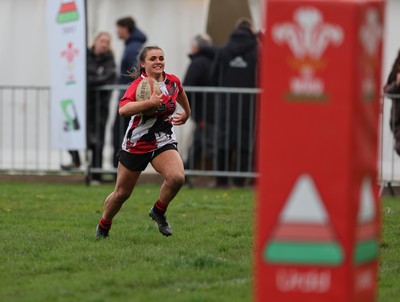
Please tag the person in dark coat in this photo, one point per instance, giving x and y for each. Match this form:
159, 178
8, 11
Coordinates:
202, 104
134, 39
393, 87
100, 71
235, 65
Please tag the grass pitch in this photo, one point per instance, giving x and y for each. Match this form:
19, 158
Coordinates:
48, 250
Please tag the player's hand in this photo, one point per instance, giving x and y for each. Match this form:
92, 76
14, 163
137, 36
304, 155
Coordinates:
180, 118
155, 101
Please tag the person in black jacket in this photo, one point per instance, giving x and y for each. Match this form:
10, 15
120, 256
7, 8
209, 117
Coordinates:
393, 87
235, 65
134, 39
198, 75
100, 71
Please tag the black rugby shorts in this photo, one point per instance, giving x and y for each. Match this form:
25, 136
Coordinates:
139, 162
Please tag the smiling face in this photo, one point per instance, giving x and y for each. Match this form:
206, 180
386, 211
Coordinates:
154, 64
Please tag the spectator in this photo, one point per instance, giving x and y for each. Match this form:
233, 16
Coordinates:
150, 139
197, 75
235, 65
134, 40
393, 87
100, 71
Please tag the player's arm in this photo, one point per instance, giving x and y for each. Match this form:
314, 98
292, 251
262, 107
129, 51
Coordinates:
130, 108
181, 117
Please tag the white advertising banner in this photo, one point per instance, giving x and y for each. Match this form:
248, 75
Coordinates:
66, 25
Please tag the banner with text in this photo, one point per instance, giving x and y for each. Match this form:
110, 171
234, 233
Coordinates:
66, 26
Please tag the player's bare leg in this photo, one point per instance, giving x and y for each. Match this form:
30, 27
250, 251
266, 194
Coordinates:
169, 164
124, 185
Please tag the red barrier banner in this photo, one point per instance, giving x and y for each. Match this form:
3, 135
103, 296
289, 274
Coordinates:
317, 233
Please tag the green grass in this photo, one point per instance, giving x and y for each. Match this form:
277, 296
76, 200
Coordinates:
389, 289
48, 251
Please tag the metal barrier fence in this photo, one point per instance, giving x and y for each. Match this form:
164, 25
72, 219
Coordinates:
25, 131
389, 168
225, 132
219, 141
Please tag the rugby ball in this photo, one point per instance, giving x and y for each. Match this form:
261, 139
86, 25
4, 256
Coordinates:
146, 88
